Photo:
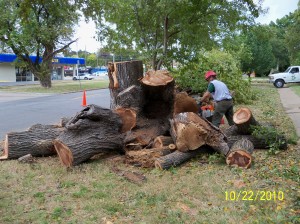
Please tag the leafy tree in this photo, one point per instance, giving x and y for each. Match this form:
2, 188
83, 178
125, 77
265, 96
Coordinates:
37, 27
293, 38
164, 30
257, 38
227, 67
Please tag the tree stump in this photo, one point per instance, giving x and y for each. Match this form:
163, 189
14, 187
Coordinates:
189, 132
131, 97
91, 131
243, 119
121, 76
240, 154
37, 141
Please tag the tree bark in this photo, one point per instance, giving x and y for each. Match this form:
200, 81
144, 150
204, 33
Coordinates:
176, 158
37, 141
189, 132
240, 154
131, 97
146, 157
121, 76
91, 131
243, 119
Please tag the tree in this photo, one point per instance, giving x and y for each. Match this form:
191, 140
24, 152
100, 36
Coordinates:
164, 30
37, 27
292, 37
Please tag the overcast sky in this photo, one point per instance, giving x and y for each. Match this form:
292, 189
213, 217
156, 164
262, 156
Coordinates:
277, 9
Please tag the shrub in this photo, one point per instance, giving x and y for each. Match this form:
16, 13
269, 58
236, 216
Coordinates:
191, 75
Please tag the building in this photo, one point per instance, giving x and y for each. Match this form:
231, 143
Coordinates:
10, 73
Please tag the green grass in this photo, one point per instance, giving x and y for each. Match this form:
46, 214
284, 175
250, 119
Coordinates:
46, 192
296, 88
59, 86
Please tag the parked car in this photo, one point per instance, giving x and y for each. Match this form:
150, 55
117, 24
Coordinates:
85, 76
99, 73
291, 75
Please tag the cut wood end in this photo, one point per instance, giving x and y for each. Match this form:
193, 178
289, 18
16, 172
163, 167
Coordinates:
128, 117
242, 115
172, 146
157, 78
4, 155
239, 159
64, 153
158, 165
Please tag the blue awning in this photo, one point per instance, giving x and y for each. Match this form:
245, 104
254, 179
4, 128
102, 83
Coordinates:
56, 60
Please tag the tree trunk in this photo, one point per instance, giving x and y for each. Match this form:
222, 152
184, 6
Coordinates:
189, 132
240, 153
91, 131
176, 158
146, 157
243, 119
161, 141
121, 76
37, 141
153, 120
132, 97
185, 103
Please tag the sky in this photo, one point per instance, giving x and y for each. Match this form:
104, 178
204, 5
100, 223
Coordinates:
86, 31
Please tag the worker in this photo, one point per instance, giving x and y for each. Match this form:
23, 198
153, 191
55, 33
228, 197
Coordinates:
222, 98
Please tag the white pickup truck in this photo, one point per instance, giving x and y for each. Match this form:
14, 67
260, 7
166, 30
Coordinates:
291, 75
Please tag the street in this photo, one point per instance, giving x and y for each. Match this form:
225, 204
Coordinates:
19, 111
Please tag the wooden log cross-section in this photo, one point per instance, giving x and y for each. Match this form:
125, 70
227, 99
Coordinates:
91, 131
240, 154
244, 119
37, 141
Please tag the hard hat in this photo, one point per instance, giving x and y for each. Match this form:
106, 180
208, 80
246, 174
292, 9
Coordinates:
210, 73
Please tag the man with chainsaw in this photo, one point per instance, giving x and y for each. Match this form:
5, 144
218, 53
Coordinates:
222, 97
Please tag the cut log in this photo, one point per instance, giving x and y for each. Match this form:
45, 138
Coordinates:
128, 117
176, 158
121, 76
161, 141
184, 103
146, 157
243, 119
189, 132
240, 154
37, 141
93, 130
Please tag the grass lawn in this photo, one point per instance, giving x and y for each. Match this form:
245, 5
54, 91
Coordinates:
296, 88
204, 190
59, 86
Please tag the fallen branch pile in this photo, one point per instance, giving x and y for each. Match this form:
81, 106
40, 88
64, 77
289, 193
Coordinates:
147, 122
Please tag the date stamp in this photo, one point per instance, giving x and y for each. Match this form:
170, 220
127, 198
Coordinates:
258, 195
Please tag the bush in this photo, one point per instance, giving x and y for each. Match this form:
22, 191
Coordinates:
191, 75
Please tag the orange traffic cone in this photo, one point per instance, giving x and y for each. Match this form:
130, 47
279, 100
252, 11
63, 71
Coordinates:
84, 99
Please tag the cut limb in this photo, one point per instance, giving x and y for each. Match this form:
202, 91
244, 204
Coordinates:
121, 76
146, 157
161, 141
37, 141
240, 154
93, 130
243, 119
176, 158
189, 132
128, 117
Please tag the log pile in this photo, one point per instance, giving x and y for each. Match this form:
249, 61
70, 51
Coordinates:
148, 122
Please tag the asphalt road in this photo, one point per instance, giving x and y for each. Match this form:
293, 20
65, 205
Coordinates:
19, 111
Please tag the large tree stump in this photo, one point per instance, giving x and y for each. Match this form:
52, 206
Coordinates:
240, 154
121, 76
189, 132
176, 158
243, 119
37, 141
91, 131
153, 119
146, 157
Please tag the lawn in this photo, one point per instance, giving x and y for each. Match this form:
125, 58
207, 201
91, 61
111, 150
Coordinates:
59, 86
296, 89
204, 190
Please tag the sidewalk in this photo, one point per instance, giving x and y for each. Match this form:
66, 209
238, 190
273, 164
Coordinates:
291, 104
